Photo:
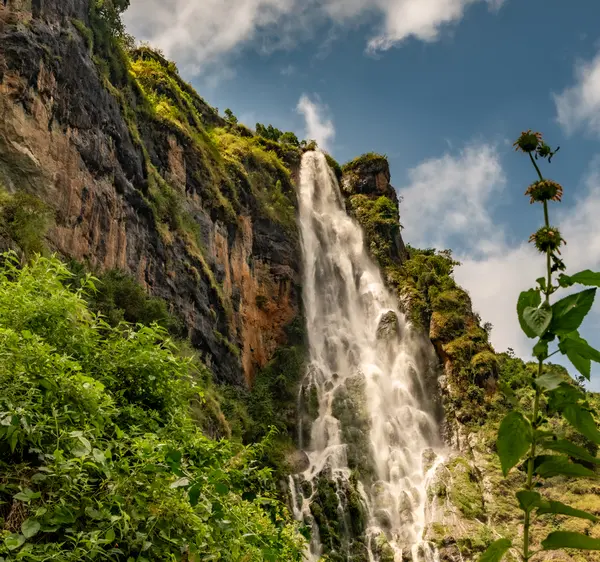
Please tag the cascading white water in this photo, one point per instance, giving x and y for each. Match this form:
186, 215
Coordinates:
359, 339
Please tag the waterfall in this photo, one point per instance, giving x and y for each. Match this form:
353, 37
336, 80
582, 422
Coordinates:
365, 425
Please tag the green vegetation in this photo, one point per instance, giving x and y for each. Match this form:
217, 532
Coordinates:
271, 403
261, 172
379, 218
366, 162
118, 297
333, 164
342, 535
442, 309
528, 436
271, 133
24, 220
100, 456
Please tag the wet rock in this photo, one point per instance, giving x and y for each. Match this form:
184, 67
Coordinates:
389, 327
429, 457
349, 407
297, 461
382, 516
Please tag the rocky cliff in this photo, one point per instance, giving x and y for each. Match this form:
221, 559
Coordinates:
129, 169
142, 175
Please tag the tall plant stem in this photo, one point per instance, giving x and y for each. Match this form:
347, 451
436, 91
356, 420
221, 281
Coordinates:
538, 392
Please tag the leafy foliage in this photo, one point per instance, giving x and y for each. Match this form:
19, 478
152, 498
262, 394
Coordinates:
24, 220
379, 218
99, 455
524, 437
365, 162
118, 297
273, 134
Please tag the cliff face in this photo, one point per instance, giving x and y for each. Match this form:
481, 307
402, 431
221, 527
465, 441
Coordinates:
128, 157
141, 175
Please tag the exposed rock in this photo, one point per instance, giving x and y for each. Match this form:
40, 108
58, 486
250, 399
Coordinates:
297, 461
389, 327
374, 203
65, 137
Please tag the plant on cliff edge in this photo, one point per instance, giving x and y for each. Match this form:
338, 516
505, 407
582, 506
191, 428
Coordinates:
527, 439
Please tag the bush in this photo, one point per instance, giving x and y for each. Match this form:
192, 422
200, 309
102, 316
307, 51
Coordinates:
99, 455
25, 220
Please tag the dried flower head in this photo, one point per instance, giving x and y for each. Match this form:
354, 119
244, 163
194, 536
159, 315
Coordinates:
544, 190
528, 141
546, 239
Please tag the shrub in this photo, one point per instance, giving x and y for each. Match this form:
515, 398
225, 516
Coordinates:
99, 455
25, 220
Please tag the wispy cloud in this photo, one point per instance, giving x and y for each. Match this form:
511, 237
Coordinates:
578, 107
495, 282
288, 70
318, 126
448, 199
203, 34
197, 33
456, 188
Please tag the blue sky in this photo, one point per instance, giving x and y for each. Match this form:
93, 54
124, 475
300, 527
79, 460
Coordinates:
442, 87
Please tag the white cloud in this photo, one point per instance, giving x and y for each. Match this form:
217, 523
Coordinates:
448, 198
492, 271
422, 19
495, 281
200, 34
318, 126
288, 70
578, 107
196, 33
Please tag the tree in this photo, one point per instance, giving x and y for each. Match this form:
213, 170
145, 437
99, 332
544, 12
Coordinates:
289, 138
269, 132
230, 117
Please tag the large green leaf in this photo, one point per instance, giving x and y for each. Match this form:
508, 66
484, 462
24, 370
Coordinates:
568, 313
561, 466
575, 451
579, 351
528, 500
562, 509
582, 364
564, 395
527, 299
14, 541
110, 535
496, 551
30, 528
583, 421
514, 440
566, 539
587, 277
550, 380
538, 319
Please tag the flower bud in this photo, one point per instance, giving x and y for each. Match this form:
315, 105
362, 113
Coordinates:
544, 190
528, 141
546, 239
